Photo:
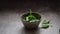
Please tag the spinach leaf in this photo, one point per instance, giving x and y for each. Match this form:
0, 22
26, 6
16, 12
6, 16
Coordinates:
30, 17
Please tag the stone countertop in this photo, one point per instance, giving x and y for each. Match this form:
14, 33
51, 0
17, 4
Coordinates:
10, 22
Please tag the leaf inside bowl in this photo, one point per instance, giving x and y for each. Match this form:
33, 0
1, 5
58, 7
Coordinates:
31, 17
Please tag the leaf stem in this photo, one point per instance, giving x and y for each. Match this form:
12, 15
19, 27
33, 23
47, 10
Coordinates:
30, 12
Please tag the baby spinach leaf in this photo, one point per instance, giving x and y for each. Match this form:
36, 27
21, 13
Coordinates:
46, 22
45, 26
31, 17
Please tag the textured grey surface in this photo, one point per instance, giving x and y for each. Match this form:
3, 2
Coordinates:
10, 23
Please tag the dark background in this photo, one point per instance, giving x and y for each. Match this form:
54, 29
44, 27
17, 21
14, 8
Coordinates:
29, 4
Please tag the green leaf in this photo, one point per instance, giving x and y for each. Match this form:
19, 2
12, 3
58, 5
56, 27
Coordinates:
45, 26
30, 17
30, 12
46, 22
